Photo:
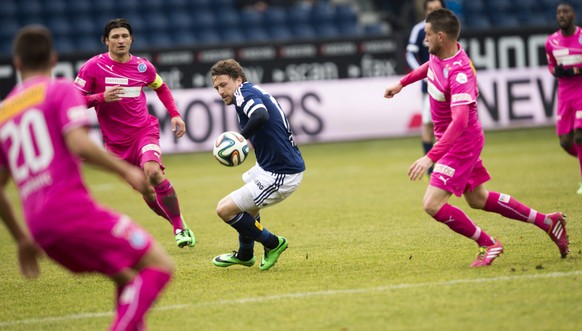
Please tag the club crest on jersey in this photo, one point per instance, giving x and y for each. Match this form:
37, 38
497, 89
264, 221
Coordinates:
461, 78
446, 72
142, 67
580, 40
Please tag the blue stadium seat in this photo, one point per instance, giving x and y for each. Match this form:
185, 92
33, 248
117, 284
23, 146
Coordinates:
346, 19
104, 8
140, 43
180, 20
208, 36
89, 43
156, 22
298, 15
322, 12
126, 7
200, 4
303, 31
27, 8
250, 18
64, 45
473, 7
160, 39
185, 38
32, 19
477, 22
203, 19
232, 36
533, 19
137, 22
9, 28
59, 27
279, 32
86, 25
374, 29
221, 5
505, 21
326, 30
549, 5
274, 16
151, 6
498, 7
255, 33
9, 10
54, 8
78, 7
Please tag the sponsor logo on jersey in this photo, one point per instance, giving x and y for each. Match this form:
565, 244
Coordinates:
430, 74
116, 81
461, 97
446, 72
142, 67
151, 147
444, 169
504, 198
461, 78
80, 81
578, 114
78, 113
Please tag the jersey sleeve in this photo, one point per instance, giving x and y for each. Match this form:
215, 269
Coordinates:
153, 80
248, 101
85, 79
550, 56
463, 85
71, 107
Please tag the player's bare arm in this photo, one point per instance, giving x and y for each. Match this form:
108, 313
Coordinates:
178, 126
28, 251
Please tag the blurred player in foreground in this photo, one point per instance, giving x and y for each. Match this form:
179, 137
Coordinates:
458, 169
276, 175
113, 83
564, 52
416, 55
43, 135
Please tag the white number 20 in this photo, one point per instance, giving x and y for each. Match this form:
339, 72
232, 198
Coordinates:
31, 139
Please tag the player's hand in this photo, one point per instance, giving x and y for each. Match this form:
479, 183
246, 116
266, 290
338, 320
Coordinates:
113, 94
178, 126
137, 179
418, 169
391, 91
28, 254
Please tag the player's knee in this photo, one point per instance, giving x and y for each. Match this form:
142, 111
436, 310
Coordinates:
430, 207
223, 211
154, 176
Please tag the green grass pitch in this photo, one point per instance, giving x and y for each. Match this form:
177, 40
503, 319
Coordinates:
362, 255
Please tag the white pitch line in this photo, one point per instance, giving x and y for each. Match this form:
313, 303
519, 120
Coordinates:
301, 295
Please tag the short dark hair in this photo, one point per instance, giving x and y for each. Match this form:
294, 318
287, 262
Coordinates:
115, 24
427, 1
229, 67
443, 20
33, 44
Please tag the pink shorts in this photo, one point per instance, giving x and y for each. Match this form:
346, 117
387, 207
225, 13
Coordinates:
459, 171
569, 116
143, 149
96, 241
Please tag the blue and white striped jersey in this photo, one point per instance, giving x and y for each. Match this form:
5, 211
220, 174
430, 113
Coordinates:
274, 146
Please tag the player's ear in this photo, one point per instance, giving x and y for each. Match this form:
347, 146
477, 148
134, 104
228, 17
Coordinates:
17, 63
54, 59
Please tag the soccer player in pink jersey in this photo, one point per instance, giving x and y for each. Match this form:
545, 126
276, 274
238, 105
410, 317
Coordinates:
113, 83
458, 169
564, 53
43, 135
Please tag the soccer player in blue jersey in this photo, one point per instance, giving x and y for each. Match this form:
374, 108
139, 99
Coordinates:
416, 55
276, 175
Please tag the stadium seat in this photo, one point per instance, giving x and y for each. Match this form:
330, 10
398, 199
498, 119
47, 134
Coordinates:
221, 5
208, 36
374, 29
200, 4
234, 36
498, 7
185, 38
549, 5
279, 32
78, 7
203, 19
322, 12
86, 25
125, 7
160, 39
64, 45
473, 7
59, 27
180, 20
303, 31
255, 33
140, 44
298, 15
9, 10
477, 22
104, 8
250, 18
151, 6
156, 22
28, 8
89, 43
533, 19
274, 16
54, 8
504, 21
326, 30
9, 28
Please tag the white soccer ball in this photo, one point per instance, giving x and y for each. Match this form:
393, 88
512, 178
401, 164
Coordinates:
230, 148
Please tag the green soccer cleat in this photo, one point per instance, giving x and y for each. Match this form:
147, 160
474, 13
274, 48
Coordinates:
271, 255
228, 259
185, 237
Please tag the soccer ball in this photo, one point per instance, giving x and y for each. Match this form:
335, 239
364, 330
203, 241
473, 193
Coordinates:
230, 148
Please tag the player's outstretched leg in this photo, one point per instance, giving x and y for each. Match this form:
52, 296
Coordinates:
487, 254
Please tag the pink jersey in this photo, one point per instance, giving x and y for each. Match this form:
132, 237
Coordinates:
567, 51
453, 82
122, 121
33, 120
